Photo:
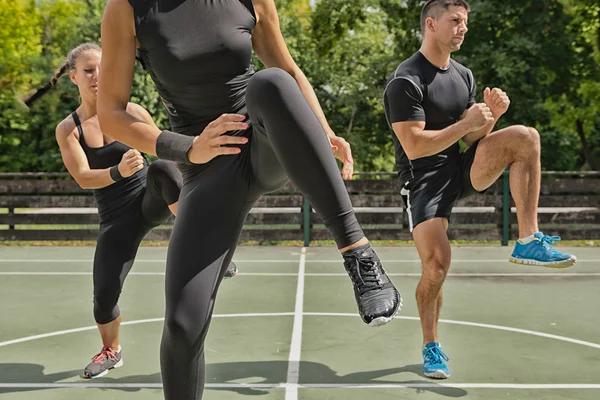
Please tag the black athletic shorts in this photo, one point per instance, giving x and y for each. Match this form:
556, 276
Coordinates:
431, 193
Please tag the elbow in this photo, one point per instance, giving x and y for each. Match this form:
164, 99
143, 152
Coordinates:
412, 151
411, 145
83, 180
411, 154
83, 183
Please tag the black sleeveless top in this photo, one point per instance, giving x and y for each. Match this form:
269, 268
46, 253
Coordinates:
198, 52
114, 199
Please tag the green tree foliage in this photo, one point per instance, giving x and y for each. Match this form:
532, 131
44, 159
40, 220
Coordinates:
544, 53
575, 112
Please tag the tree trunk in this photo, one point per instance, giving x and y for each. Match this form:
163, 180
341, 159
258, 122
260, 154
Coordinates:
352, 115
587, 153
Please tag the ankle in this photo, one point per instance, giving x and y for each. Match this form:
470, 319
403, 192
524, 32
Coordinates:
526, 239
360, 245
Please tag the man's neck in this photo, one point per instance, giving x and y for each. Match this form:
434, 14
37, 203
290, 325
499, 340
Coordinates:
435, 55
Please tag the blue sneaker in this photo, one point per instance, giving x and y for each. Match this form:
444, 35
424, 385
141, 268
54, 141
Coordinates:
434, 361
540, 252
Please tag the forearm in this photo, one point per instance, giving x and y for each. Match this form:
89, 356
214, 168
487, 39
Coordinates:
472, 137
426, 143
311, 97
94, 178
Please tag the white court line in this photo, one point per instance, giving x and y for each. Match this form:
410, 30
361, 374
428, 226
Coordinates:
458, 274
293, 372
411, 385
427, 385
140, 321
66, 273
478, 274
313, 314
72, 260
478, 325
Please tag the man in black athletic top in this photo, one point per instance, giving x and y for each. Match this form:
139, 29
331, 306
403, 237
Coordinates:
237, 135
430, 105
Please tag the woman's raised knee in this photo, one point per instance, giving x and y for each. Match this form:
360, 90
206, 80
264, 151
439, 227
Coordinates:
268, 84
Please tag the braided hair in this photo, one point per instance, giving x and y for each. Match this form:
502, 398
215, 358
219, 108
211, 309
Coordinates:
67, 66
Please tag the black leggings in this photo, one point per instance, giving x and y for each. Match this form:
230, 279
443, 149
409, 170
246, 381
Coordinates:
118, 239
286, 140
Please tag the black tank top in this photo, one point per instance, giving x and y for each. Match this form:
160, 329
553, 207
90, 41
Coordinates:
198, 52
112, 200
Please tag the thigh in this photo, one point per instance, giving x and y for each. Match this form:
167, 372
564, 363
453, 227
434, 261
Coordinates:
266, 168
466, 165
490, 159
432, 194
212, 208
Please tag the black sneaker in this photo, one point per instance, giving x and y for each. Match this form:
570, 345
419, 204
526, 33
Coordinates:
103, 362
377, 299
232, 271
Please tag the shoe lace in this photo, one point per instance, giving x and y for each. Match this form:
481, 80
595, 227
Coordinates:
435, 355
105, 353
548, 241
365, 273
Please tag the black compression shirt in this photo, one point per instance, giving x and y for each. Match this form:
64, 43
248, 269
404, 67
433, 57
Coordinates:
198, 53
112, 200
420, 91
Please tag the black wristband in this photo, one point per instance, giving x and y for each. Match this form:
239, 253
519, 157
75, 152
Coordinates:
115, 174
174, 146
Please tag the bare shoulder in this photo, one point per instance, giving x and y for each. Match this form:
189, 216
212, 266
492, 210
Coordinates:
119, 4
119, 13
264, 8
65, 128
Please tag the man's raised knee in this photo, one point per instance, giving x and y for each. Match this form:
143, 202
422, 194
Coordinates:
524, 140
534, 135
525, 133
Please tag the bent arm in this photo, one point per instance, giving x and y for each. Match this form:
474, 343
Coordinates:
418, 142
116, 75
77, 164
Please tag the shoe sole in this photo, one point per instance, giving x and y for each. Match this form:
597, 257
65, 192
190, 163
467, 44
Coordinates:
101, 374
230, 274
380, 321
551, 264
439, 374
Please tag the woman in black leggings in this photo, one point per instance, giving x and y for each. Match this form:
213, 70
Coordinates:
236, 135
132, 196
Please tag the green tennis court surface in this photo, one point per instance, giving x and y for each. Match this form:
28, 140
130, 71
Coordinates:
286, 328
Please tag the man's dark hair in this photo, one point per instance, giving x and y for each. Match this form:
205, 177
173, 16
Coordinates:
435, 9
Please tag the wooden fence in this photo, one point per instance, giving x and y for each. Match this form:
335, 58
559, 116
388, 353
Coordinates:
39, 206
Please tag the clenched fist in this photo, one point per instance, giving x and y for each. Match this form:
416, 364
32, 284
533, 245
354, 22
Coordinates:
478, 116
131, 162
497, 100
